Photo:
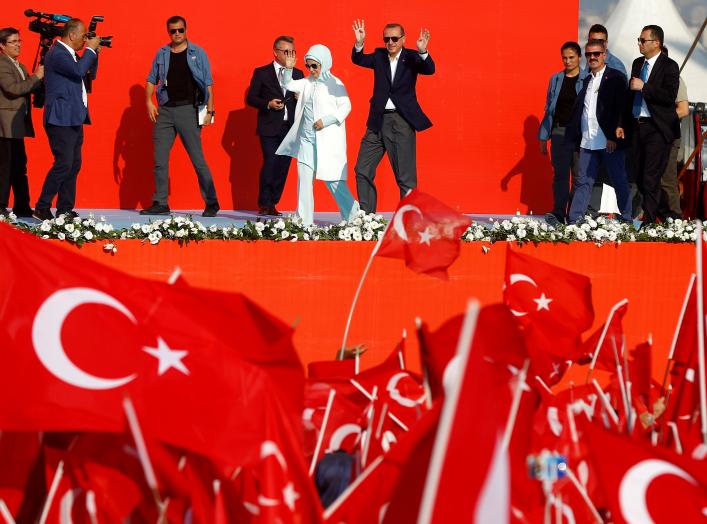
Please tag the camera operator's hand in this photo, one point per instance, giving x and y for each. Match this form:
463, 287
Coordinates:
39, 72
94, 42
152, 111
276, 104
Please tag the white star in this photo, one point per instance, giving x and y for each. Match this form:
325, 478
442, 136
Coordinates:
543, 302
289, 496
555, 369
168, 358
426, 236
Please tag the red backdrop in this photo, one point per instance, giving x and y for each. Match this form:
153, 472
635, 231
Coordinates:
485, 99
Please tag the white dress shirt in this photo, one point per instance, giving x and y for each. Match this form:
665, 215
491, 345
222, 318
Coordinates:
592, 136
651, 63
16, 63
393, 67
84, 95
280, 77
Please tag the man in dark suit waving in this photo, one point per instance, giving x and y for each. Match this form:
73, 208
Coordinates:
65, 113
276, 112
395, 115
655, 79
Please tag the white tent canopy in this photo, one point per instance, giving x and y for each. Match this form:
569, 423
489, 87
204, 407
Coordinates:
625, 25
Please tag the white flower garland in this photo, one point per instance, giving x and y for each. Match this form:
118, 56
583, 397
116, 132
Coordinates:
364, 227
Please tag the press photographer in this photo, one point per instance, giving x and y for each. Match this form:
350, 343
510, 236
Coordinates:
65, 113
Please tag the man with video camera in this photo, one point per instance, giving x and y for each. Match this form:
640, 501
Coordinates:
16, 84
65, 113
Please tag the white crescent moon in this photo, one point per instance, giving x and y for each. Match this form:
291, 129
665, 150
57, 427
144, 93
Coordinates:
46, 336
398, 225
634, 485
394, 393
66, 505
514, 278
343, 431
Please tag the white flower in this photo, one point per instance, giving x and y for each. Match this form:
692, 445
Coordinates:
46, 226
88, 235
61, 236
154, 237
280, 224
180, 233
521, 233
357, 235
511, 238
368, 236
146, 228
76, 234
77, 220
506, 224
285, 234
259, 226
581, 235
59, 220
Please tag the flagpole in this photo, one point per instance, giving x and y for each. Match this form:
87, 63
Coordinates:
5, 512
622, 386
425, 372
320, 437
517, 394
585, 496
401, 358
145, 462
701, 333
352, 487
676, 334
602, 336
58, 474
366, 394
605, 403
449, 408
358, 292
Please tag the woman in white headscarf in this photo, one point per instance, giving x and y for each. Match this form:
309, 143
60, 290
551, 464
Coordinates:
317, 138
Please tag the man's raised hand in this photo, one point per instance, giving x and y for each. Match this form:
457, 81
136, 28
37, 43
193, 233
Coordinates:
423, 40
359, 31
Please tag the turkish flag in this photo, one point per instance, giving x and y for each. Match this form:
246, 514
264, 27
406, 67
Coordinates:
613, 333
425, 233
644, 483
552, 304
79, 337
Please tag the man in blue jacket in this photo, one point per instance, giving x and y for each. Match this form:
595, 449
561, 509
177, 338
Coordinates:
595, 126
181, 75
65, 113
395, 115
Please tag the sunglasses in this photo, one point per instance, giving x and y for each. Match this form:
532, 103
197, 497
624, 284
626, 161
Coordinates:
593, 53
644, 40
313, 67
393, 39
177, 30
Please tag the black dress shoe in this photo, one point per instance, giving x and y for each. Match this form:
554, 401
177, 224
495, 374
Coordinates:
211, 210
4, 212
156, 209
42, 214
263, 211
70, 214
274, 212
24, 212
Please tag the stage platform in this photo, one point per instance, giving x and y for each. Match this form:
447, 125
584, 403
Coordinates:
124, 218
311, 284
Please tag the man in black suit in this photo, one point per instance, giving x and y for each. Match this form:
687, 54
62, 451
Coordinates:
276, 112
395, 115
655, 79
596, 118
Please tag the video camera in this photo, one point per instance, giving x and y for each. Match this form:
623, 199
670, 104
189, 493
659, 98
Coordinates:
50, 26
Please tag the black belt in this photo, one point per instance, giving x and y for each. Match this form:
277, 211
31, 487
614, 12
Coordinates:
644, 119
179, 103
388, 111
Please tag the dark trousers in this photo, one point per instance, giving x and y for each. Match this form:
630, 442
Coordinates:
397, 139
65, 143
273, 174
565, 163
651, 153
669, 181
13, 174
589, 162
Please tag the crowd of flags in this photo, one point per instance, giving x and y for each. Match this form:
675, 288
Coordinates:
128, 400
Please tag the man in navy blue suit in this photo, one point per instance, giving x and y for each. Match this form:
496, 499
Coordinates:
395, 115
65, 113
594, 126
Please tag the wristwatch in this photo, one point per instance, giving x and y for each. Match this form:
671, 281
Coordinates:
212, 112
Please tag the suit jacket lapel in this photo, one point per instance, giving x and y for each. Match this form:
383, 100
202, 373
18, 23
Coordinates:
656, 67
401, 64
17, 74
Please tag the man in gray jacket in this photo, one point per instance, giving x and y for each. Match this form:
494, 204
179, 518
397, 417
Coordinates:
16, 84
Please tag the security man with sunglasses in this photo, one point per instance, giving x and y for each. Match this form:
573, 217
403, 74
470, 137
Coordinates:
181, 75
395, 115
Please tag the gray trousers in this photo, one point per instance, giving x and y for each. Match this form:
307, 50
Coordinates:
182, 121
396, 138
